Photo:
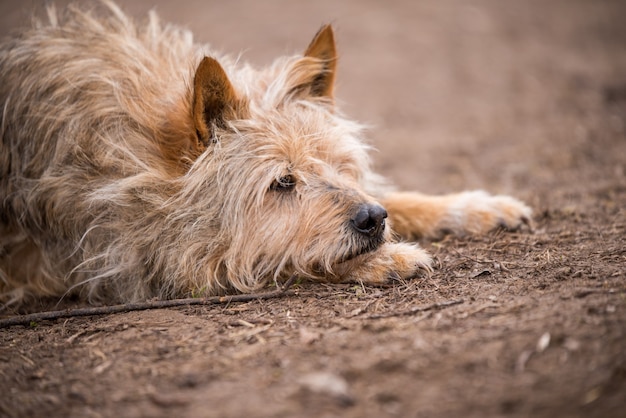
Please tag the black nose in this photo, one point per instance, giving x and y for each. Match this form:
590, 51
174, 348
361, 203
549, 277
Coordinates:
369, 219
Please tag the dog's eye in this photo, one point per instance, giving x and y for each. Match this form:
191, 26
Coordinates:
284, 184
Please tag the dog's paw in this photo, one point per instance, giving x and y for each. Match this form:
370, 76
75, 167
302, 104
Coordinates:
391, 262
479, 212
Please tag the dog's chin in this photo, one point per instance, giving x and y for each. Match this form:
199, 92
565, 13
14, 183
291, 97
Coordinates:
353, 255
359, 253
345, 262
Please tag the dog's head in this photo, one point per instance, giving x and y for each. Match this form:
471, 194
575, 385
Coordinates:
287, 172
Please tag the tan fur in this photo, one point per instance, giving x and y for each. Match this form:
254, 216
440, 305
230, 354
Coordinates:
135, 163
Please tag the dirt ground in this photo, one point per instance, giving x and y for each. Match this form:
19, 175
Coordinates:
525, 98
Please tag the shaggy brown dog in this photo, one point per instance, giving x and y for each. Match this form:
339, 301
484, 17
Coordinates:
135, 163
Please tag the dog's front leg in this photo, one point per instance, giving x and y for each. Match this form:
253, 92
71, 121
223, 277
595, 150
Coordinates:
414, 215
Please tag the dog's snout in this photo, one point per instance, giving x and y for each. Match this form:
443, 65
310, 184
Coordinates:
369, 219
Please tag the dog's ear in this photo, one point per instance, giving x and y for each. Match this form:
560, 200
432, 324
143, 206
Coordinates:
323, 48
214, 99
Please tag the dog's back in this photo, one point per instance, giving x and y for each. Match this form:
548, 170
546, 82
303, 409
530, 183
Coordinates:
86, 102
80, 85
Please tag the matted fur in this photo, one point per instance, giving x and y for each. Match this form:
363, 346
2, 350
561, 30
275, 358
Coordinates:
116, 184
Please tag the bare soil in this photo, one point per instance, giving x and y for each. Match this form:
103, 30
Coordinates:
525, 98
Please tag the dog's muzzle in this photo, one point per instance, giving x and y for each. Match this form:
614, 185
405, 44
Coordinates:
369, 220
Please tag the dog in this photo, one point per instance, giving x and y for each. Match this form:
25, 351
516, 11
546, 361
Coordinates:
137, 164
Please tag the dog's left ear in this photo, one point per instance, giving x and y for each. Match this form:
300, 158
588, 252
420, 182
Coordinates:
323, 48
214, 99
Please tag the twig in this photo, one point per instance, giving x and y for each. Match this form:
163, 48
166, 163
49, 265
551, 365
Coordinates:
416, 309
141, 306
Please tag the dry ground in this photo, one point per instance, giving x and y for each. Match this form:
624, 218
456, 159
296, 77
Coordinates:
519, 97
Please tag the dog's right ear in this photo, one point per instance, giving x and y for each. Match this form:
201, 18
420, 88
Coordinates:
214, 99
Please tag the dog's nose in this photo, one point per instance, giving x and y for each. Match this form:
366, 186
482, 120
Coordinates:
369, 219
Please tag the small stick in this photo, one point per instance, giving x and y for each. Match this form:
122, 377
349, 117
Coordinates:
140, 306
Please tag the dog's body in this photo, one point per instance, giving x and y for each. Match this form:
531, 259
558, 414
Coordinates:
132, 166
